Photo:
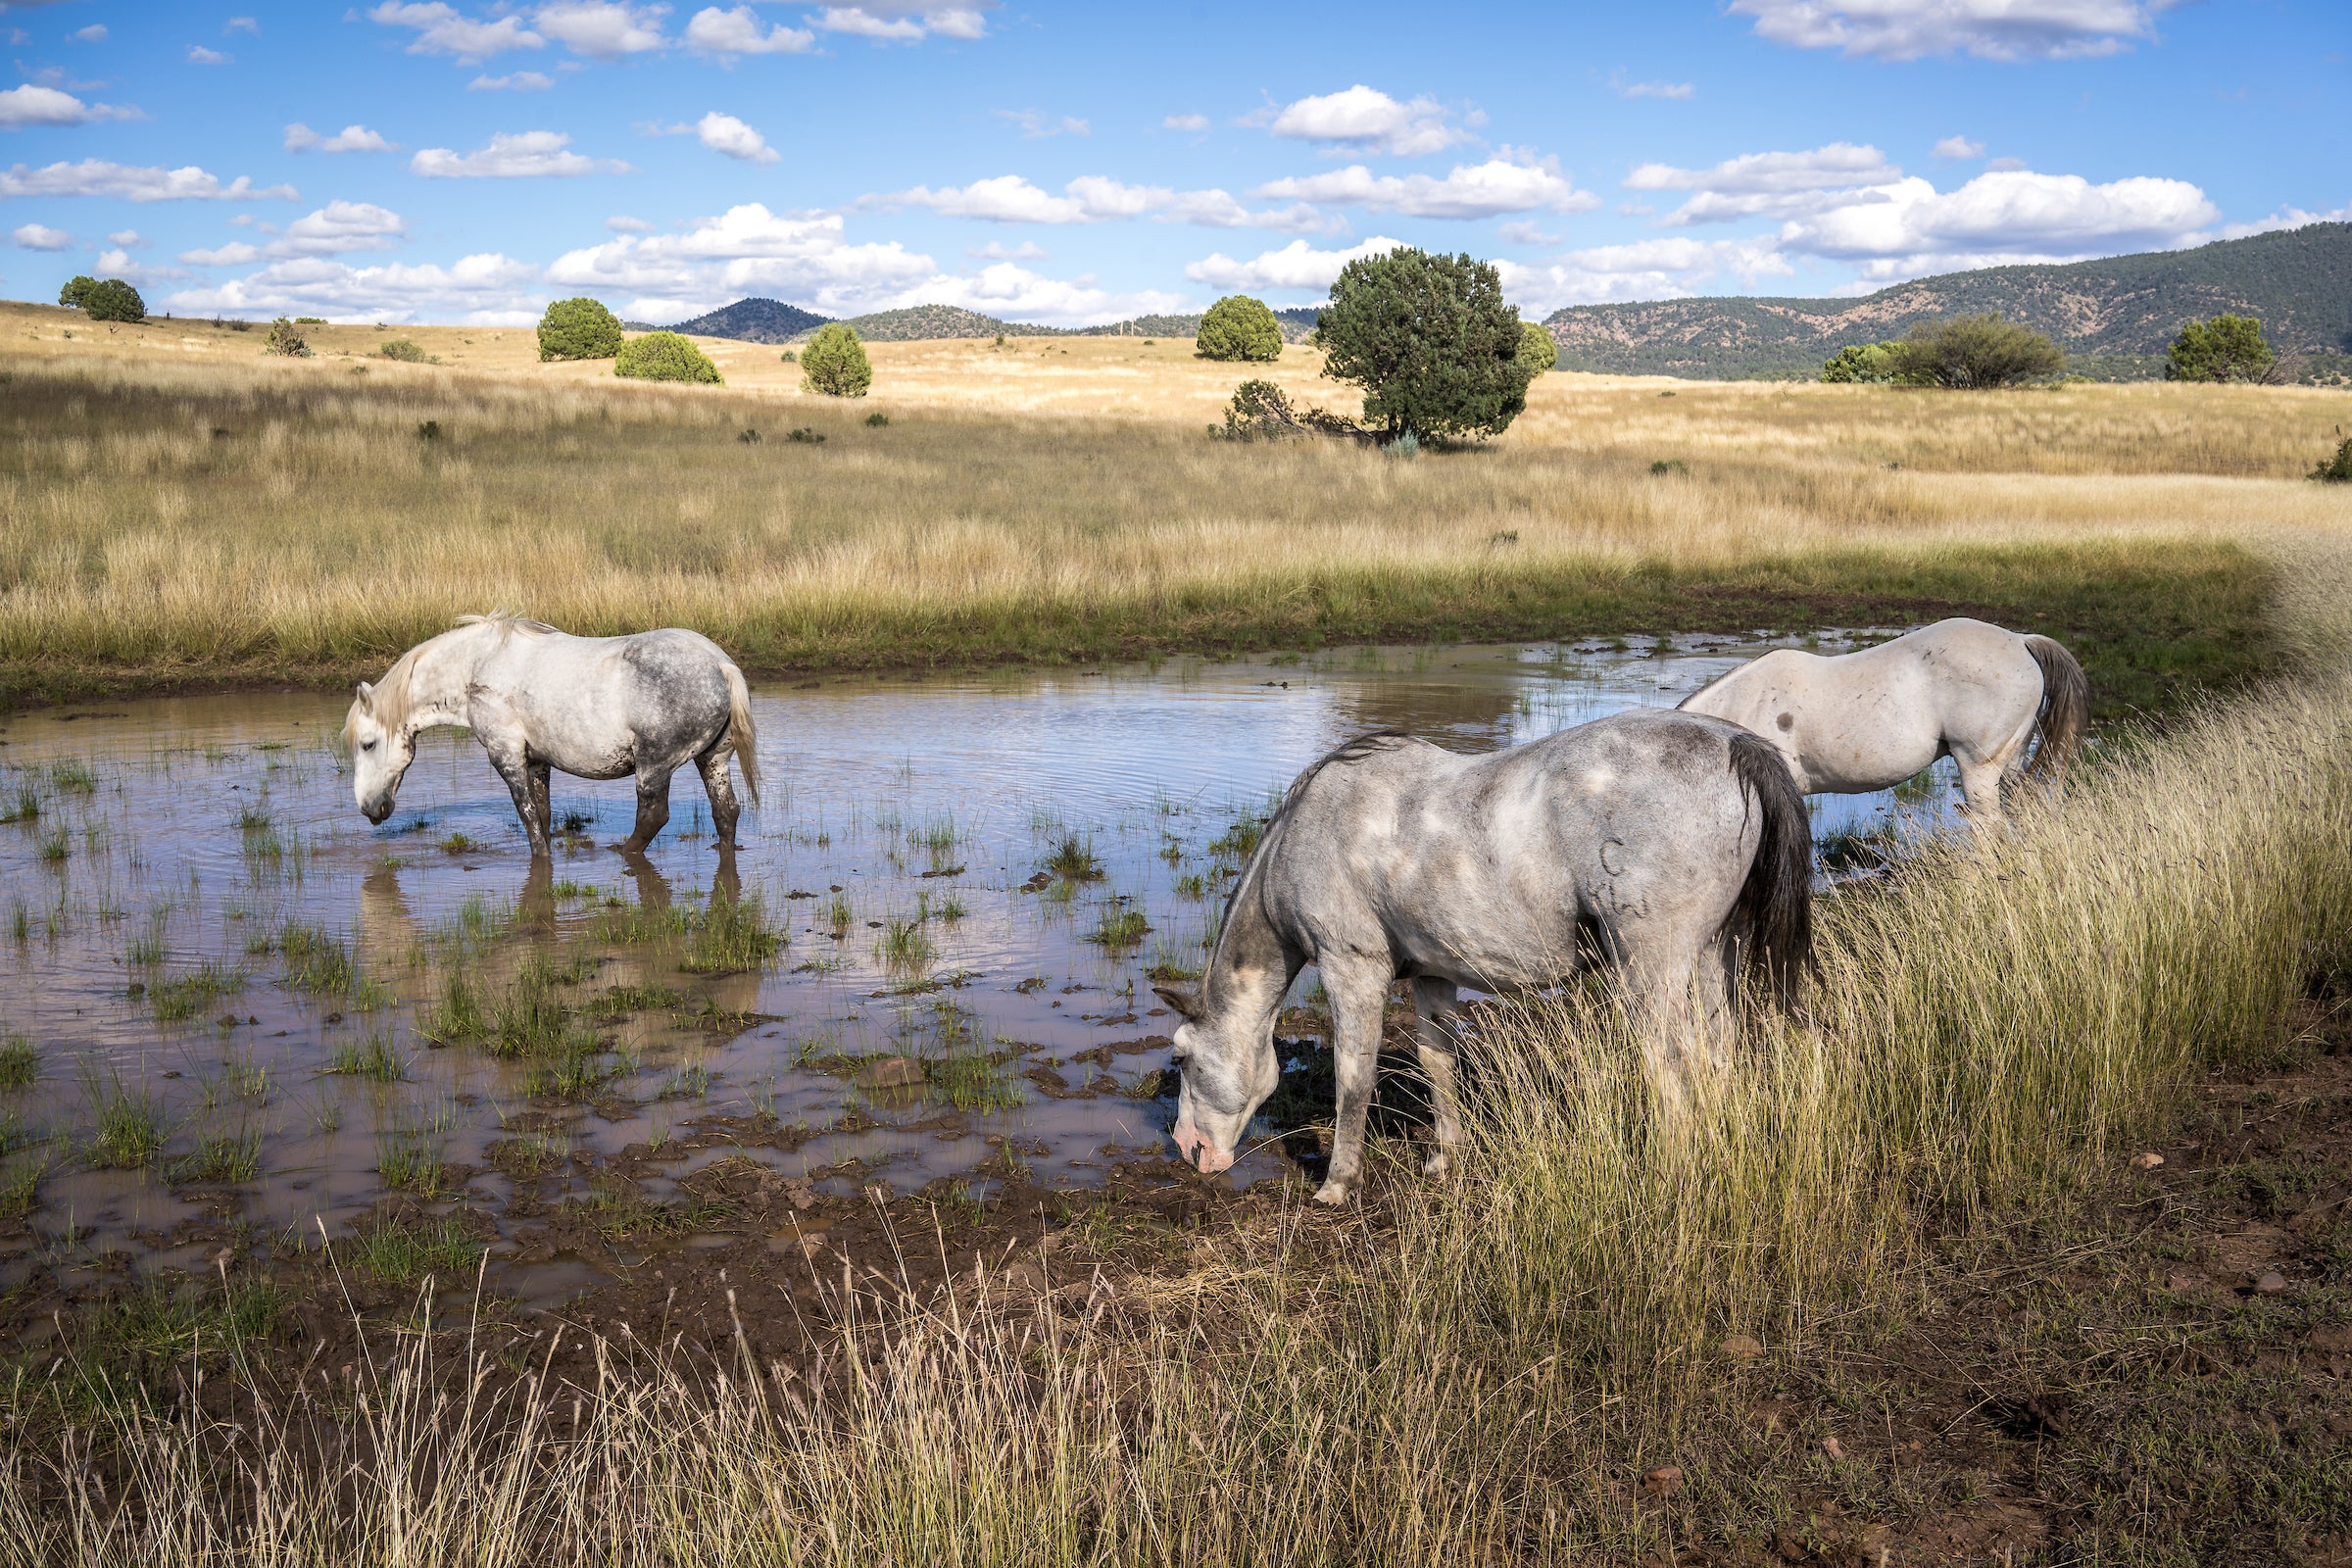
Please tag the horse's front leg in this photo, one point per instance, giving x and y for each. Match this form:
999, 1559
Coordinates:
516, 768
1359, 996
539, 799
653, 811
1432, 1003
719, 785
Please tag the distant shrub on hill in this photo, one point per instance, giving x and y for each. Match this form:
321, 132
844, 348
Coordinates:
1975, 353
834, 362
578, 329
107, 299
2338, 469
288, 340
1861, 362
664, 357
406, 350
1239, 328
1431, 341
2221, 348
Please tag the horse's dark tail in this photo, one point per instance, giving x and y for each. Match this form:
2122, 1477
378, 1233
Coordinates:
1773, 922
2065, 708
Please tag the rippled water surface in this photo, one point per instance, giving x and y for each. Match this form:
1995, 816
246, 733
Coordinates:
225, 994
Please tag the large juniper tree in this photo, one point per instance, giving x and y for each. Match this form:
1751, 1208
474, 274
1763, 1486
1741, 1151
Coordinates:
1431, 342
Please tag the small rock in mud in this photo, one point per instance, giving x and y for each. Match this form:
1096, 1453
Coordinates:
890, 1072
1740, 1347
1663, 1481
2147, 1161
1832, 1448
2272, 1282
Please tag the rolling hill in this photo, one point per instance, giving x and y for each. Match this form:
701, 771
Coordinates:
763, 320
2114, 316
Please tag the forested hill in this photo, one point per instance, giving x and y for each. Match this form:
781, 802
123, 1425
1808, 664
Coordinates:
759, 320
2117, 316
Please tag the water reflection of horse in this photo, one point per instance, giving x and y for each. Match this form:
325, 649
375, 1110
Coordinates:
537, 699
1857, 722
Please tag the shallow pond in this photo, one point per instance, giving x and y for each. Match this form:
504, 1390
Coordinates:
226, 997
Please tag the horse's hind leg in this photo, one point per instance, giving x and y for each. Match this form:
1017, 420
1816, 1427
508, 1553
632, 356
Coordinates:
652, 811
1433, 1001
539, 800
1984, 778
719, 785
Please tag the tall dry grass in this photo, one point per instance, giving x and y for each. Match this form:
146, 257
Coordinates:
1479, 1370
165, 521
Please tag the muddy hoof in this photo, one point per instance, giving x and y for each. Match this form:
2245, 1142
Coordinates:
1333, 1193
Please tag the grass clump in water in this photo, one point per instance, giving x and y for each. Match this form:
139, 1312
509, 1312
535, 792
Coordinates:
373, 1059
902, 947
20, 1061
731, 936
185, 996
973, 1080
218, 1158
401, 1251
126, 1123
1121, 927
1073, 860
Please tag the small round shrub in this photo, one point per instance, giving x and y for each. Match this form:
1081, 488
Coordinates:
407, 350
578, 329
288, 340
1538, 351
664, 357
1870, 362
834, 362
1239, 328
76, 290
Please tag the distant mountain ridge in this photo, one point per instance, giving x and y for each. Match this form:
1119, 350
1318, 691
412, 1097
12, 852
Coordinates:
765, 321
2117, 316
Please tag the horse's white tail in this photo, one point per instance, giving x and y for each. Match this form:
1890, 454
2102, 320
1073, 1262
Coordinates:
2065, 707
742, 735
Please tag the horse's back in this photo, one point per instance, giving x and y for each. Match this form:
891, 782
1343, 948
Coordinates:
602, 705
1486, 868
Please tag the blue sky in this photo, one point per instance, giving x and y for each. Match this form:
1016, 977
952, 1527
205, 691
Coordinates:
1074, 163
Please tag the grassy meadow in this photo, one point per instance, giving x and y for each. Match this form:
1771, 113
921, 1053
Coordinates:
1608, 1338
175, 507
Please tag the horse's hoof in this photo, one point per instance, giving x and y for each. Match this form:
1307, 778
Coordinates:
1438, 1164
1333, 1193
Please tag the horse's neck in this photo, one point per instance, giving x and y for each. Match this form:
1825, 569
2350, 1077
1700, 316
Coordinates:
1252, 968
440, 674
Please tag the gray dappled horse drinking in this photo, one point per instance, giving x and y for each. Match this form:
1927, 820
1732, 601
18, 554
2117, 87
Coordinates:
1867, 720
538, 699
1672, 846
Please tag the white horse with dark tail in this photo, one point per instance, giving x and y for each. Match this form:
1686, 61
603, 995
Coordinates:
1867, 720
538, 700
1673, 848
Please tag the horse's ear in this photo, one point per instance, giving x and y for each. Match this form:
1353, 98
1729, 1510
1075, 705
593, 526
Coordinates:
367, 694
1185, 1003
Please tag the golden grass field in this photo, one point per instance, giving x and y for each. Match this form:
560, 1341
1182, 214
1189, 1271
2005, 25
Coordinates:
1477, 1372
176, 507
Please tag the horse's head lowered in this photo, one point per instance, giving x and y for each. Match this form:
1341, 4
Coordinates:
1229, 1069
381, 744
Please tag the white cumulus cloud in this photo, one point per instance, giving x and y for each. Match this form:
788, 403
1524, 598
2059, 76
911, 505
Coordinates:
1364, 119
516, 81
1665, 267
738, 31
1959, 147
483, 290
1767, 184
120, 263
1513, 183
1297, 264
35, 105
1185, 122
904, 21
39, 237
1990, 29
95, 33
601, 30
746, 250
530, 153
1908, 228
724, 133
1092, 199
442, 29
301, 138
199, 55
333, 230
95, 177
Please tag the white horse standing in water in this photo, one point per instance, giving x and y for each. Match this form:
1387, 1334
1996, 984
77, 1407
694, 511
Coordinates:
1671, 848
538, 699
1857, 722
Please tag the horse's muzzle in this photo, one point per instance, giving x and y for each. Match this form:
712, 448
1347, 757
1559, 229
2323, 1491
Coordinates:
377, 810
1194, 1145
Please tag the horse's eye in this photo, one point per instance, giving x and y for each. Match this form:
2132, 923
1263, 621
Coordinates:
366, 746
